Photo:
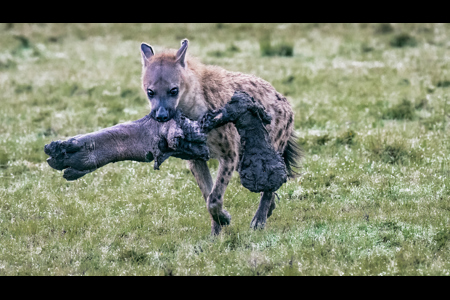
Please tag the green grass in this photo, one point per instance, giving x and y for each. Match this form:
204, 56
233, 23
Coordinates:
282, 48
371, 109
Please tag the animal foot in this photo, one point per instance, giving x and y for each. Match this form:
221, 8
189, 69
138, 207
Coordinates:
271, 208
223, 218
73, 174
74, 156
215, 228
258, 222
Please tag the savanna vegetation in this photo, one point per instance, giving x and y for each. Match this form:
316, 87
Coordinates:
371, 110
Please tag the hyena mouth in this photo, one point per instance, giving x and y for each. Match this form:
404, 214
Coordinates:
163, 114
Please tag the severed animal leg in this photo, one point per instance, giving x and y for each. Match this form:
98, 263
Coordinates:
143, 140
265, 205
261, 168
85, 153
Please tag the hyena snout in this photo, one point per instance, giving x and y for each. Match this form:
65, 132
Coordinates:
162, 114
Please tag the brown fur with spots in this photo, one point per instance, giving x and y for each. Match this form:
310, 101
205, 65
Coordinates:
201, 88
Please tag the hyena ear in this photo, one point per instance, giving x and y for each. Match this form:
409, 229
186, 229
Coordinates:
147, 52
181, 54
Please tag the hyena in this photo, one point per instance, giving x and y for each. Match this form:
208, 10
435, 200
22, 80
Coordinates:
173, 80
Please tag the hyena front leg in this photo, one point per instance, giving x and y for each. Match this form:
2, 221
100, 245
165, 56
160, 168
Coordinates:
266, 206
219, 216
204, 180
202, 175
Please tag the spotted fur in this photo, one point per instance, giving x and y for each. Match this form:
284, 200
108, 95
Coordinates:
203, 88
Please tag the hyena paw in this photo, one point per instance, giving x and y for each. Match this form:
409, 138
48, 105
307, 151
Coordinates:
215, 228
223, 218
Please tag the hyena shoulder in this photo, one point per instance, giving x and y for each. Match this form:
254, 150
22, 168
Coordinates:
219, 85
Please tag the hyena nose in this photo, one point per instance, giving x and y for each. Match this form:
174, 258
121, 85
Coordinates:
162, 115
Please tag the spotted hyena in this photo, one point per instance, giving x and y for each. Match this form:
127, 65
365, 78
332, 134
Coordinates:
173, 80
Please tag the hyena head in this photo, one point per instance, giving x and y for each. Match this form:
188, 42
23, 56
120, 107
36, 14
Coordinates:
163, 80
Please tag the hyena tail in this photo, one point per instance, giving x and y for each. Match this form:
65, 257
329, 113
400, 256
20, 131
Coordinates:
292, 156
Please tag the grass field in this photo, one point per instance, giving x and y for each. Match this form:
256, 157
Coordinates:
371, 109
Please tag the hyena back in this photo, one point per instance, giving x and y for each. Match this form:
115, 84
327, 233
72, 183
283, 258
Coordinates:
172, 80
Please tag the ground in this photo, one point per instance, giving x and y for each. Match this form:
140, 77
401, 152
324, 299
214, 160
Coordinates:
371, 109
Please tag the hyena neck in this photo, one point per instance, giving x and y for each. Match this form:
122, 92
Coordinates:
192, 102
207, 88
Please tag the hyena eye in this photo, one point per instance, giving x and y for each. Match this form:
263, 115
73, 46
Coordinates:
174, 91
150, 93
